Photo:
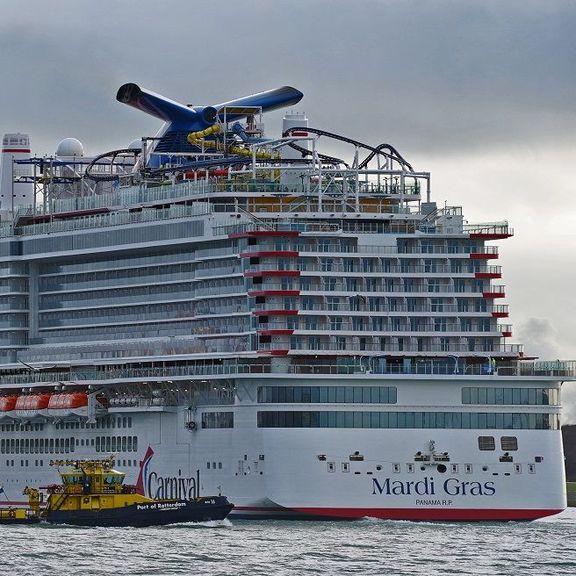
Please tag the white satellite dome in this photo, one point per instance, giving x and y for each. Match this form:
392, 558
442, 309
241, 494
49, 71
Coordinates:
70, 147
135, 144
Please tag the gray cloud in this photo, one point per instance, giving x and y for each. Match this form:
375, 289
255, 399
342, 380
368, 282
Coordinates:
443, 74
539, 338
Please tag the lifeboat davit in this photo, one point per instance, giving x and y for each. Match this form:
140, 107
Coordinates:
7, 404
31, 405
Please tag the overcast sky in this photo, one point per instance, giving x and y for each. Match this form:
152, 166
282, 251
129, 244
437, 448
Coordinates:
481, 93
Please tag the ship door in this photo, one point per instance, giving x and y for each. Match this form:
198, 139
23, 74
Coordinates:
95, 502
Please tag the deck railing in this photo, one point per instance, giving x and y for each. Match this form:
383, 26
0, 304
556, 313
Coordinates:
368, 365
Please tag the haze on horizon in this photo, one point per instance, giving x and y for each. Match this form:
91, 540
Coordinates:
479, 92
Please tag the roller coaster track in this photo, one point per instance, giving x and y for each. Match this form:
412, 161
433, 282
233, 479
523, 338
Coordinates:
392, 153
112, 155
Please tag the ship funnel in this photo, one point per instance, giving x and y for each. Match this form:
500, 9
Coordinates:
180, 120
268, 101
168, 110
15, 189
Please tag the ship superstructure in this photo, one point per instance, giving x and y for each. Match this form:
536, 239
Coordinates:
312, 335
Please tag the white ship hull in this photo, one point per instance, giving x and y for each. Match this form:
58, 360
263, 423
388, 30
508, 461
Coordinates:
409, 474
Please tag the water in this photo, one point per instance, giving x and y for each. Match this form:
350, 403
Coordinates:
542, 548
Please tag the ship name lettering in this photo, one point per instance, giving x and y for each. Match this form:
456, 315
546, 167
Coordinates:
399, 488
455, 487
172, 487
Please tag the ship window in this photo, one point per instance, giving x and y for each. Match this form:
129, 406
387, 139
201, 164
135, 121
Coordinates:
129, 444
531, 468
135, 443
454, 468
331, 467
123, 443
345, 467
509, 443
486, 443
98, 439
113, 443
468, 468
439, 420
518, 468
396, 468
108, 443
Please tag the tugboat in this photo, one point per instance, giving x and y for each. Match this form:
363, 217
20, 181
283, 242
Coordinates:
93, 493
13, 515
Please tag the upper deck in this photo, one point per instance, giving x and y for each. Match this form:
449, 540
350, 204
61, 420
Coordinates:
223, 249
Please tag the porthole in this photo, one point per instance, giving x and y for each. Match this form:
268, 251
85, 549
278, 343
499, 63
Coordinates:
441, 468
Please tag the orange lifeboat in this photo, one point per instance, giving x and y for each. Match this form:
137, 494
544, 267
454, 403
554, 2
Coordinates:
68, 404
7, 404
31, 405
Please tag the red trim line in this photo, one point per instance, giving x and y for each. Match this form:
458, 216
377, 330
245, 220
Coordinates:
257, 233
270, 253
482, 256
431, 514
487, 275
489, 236
493, 294
254, 293
274, 352
274, 312
507, 334
276, 332
500, 314
16, 150
272, 273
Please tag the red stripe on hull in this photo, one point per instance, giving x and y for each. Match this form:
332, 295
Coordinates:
431, 514
15, 151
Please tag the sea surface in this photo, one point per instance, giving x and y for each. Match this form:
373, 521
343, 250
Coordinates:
375, 547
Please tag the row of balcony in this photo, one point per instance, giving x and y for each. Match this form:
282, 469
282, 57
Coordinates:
360, 365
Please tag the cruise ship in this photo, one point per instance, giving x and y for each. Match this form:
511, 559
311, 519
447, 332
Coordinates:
291, 321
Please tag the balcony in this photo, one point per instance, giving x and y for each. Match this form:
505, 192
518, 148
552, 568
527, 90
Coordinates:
490, 231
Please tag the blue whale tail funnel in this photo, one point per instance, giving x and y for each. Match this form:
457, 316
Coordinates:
268, 101
166, 109
180, 120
